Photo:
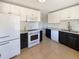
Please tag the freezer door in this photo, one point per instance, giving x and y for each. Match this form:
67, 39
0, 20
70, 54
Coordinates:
4, 33
14, 27
9, 26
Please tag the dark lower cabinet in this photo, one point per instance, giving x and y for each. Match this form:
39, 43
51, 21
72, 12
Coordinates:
63, 38
48, 33
74, 41
41, 36
69, 39
24, 40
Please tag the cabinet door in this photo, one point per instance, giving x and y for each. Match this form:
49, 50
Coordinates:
74, 41
4, 7
23, 13
63, 38
74, 12
65, 14
57, 17
48, 33
24, 40
1, 7
38, 15
41, 36
54, 17
50, 18
14, 27
15, 10
4, 50
14, 46
29, 15
55, 35
35, 15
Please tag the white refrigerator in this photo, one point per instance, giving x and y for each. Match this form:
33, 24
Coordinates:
9, 36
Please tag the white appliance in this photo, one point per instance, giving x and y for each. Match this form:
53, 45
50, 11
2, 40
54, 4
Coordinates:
55, 35
33, 38
9, 36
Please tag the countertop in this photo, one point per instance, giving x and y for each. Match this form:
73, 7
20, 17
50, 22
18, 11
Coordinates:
64, 30
73, 32
55, 29
21, 32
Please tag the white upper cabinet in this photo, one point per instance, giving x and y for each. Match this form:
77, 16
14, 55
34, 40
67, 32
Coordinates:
50, 18
15, 10
33, 15
70, 13
54, 17
4, 7
23, 14
65, 14
26, 14
36, 15
74, 12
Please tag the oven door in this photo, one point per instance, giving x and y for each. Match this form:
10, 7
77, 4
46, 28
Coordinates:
33, 38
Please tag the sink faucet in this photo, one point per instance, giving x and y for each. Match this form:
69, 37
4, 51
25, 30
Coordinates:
69, 26
25, 27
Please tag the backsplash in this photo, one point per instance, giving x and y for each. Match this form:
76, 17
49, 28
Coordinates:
29, 25
74, 23
62, 25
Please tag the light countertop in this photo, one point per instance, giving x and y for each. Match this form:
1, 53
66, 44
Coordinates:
64, 30
21, 32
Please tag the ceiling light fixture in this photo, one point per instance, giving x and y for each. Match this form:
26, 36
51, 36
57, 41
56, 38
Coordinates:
41, 1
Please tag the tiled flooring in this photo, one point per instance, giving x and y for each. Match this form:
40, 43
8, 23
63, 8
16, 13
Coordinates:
48, 50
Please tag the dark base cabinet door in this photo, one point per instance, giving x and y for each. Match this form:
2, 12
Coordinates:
77, 44
63, 38
48, 33
41, 36
24, 40
74, 41
69, 39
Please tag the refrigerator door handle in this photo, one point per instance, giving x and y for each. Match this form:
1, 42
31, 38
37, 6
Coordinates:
5, 43
0, 55
5, 36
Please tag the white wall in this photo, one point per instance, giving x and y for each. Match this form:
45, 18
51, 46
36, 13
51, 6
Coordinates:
44, 20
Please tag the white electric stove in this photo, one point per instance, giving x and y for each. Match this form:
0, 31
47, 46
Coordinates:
33, 37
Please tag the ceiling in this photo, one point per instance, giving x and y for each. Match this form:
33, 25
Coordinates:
49, 5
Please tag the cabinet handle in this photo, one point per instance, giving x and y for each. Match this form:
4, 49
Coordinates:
0, 55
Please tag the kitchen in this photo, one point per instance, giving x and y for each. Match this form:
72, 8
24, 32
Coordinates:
35, 30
